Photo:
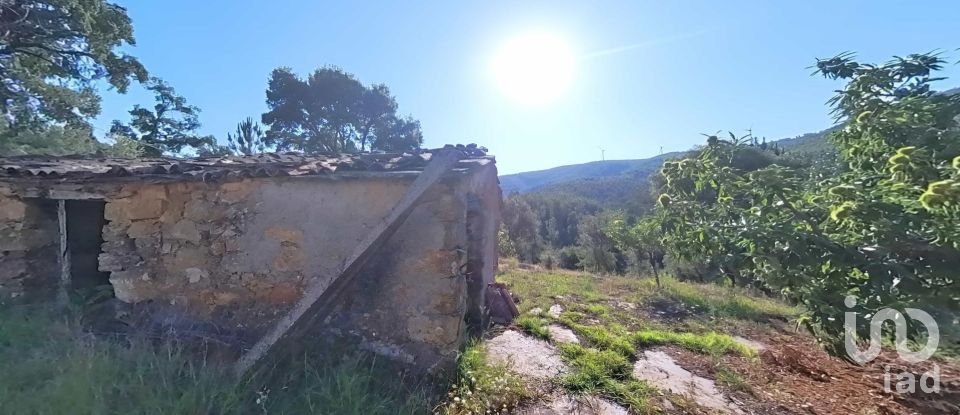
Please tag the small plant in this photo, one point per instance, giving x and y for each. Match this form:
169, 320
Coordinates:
536, 326
596, 309
612, 337
605, 373
482, 388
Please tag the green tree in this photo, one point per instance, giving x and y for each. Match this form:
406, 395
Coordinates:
597, 247
521, 224
51, 54
248, 138
169, 127
331, 111
883, 230
59, 140
643, 239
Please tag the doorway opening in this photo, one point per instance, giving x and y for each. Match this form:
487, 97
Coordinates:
84, 237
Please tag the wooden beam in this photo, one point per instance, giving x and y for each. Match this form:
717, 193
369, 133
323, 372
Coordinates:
321, 296
64, 286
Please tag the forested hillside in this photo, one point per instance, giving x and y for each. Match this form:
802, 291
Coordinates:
868, 210
528, 181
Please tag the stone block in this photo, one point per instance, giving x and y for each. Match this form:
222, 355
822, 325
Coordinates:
185, 230
144, 208
200, 210
118, 261
234, 192
283, 234
147, 247
133, 209
12, 210
131, 287
143, 229
116, 211
195, 275
153, 192
188, 257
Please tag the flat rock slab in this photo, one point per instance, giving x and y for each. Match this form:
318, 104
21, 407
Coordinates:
560, 334
568, 405
555, 311
526, 356
661, 371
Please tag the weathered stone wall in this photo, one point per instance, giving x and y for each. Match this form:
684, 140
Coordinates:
29, 246
240, 254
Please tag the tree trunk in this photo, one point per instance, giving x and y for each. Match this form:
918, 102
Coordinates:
639, 255
653, 264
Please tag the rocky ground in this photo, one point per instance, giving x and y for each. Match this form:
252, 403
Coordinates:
587, 345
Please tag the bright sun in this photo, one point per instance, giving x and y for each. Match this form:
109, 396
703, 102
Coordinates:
534, 69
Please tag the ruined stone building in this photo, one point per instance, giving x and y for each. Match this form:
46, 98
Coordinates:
236, 242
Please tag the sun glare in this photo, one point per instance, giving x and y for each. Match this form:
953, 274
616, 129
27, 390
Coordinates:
534, 69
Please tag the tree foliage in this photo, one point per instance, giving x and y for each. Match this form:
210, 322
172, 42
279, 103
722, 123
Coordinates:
169, 127
331, 111
51, 54
643, 239
58, 140
883, 229
249, 138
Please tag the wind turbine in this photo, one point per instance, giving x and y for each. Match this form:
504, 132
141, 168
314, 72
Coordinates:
602, 155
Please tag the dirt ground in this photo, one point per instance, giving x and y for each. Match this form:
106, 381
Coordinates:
794, 375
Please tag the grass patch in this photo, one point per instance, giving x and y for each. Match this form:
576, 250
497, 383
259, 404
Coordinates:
535, 325
599, 310
50, 366
727, 301
712, 343
481, 387
538, 289
611, 337
604, 373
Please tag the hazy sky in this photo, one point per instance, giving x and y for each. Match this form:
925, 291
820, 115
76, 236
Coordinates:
648, 75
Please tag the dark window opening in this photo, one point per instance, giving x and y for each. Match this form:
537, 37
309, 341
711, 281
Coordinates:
85, 223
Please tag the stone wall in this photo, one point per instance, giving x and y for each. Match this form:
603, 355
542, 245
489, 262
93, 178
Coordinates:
29, 246
240, 254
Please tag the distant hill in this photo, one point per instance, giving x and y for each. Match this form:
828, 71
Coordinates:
614, 179
808, 143
535, 180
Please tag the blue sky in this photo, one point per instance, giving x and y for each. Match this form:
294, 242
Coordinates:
702, 66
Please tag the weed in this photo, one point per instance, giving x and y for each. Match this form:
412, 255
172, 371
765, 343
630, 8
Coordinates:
605, 373
534, 325
482, 387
